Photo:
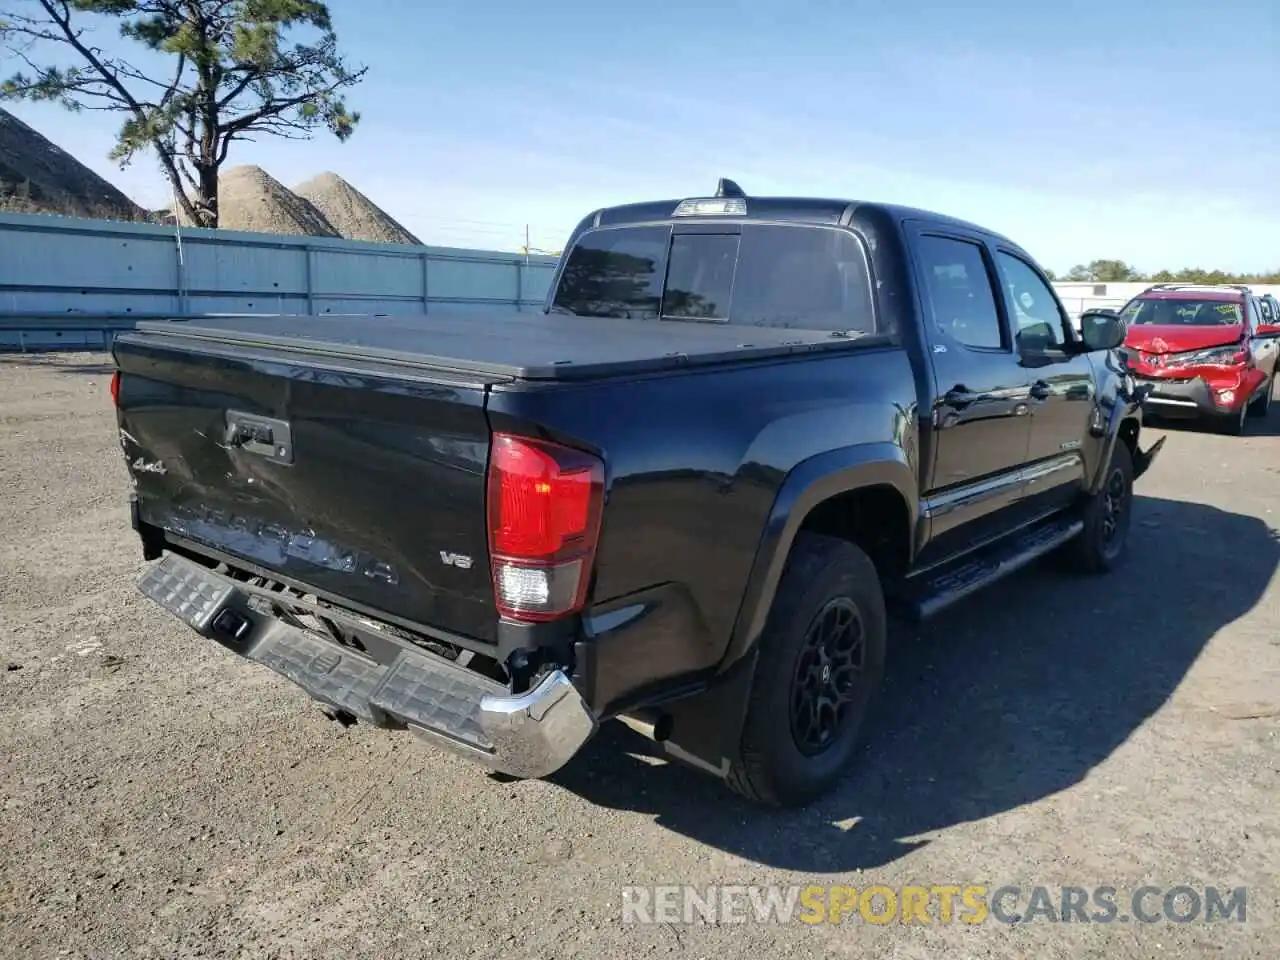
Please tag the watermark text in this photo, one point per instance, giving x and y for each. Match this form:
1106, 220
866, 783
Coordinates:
933, 904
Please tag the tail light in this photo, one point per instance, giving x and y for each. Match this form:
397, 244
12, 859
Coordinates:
115, 388
544, 505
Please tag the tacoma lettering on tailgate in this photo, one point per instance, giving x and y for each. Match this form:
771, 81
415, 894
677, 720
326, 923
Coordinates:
272, 543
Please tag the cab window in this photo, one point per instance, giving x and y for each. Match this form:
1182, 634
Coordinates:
1035, 311
959, 291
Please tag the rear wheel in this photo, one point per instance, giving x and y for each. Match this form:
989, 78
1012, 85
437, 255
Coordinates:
821, 660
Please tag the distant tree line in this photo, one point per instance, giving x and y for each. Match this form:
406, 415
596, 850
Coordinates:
1117, 271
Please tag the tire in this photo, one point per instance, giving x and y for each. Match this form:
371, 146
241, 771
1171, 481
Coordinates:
1097, 550
1261, 405
827, 582
1235, 424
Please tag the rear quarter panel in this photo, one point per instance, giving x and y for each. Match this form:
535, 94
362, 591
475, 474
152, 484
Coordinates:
695, 463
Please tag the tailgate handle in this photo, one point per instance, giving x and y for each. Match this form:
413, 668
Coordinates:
263, 436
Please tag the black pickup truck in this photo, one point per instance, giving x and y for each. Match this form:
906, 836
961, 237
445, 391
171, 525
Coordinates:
743, 432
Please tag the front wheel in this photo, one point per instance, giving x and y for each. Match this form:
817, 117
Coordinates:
1262, 405
1102, 545
1235, 424
821, 661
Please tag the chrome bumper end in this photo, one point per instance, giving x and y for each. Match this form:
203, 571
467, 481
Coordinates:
536, 733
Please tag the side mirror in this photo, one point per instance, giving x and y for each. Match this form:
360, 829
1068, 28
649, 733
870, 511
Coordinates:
1102, 329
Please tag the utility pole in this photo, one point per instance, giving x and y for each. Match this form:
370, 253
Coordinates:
181, 264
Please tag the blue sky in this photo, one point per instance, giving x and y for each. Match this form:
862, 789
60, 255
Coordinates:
1087, 129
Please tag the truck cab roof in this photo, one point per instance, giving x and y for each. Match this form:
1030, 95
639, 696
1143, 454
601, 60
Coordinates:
815, 210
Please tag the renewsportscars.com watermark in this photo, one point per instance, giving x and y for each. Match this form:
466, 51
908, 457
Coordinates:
934, 904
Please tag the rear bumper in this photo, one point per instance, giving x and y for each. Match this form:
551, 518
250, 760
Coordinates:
528, 735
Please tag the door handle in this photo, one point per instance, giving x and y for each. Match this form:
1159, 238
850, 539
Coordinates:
250, 435
1040, 390
959, 397
263, 436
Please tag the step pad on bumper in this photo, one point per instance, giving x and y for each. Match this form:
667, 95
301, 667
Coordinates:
341, 679
437, 695
536, 732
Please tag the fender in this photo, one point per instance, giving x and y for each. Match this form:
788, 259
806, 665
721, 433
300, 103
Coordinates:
1121, 410
809, 483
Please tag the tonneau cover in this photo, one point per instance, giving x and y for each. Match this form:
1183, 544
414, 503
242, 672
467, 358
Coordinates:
528, 346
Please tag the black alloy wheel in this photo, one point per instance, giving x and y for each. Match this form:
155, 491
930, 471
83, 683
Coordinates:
1116, 497
825, 687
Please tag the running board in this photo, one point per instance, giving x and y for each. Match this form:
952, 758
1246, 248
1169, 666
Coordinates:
932, 591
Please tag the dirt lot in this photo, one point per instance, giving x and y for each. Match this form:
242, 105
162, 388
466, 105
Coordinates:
160, 798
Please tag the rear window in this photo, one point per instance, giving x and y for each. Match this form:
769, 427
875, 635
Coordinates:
1183, 312
770, 275
615, 273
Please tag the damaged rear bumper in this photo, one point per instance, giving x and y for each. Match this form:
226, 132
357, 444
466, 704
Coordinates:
528, 735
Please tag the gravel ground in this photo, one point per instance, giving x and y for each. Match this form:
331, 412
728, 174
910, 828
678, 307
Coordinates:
161, 798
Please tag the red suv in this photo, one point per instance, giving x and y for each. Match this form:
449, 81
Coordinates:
1207, 351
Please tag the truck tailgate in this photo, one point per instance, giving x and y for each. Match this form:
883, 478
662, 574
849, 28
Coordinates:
359, 481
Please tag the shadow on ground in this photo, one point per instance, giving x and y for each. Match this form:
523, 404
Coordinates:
995, 705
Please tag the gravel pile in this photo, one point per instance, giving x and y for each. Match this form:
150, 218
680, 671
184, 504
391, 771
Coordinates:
350, 212
38, 176
251, 199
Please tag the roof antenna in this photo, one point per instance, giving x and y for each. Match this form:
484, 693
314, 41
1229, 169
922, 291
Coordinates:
727, 188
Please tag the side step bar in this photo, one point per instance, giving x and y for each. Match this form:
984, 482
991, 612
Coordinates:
935, 590
527, 735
